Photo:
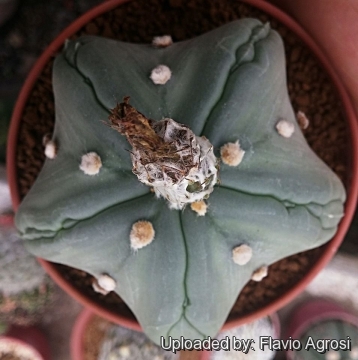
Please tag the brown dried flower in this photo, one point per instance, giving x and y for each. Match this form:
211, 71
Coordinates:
167, 155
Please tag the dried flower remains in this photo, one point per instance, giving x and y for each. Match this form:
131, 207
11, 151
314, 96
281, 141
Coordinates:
167, 156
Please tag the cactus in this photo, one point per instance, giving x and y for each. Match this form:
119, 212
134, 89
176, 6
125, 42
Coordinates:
19, 270
120, 344
24, 287
252, 331
180, 271
315, 345
27, 307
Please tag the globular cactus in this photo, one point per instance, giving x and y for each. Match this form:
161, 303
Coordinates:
328, 339
25, 289
183, 272
251, 331
19, 270
27, 307
122, 344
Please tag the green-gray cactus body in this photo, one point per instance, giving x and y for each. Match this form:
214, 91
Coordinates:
227, 85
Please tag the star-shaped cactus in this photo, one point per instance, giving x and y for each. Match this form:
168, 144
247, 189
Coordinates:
228, 85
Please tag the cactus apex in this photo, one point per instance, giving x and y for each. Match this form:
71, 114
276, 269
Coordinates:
285, 128
162, 41
232, 154
242, 254
91, 163
260, 273
161, 74
142, 234
199, 207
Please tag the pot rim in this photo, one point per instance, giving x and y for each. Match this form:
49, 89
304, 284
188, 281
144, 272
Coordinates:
330, 248
313, 311
22, 344
76, 341
31, 337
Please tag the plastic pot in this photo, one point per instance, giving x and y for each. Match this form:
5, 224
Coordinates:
327, 251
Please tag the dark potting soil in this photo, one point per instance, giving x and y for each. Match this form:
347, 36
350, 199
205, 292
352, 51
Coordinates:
309, 87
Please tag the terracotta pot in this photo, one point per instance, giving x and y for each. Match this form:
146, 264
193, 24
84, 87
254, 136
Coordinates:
327, 252
77, 335
313, 312
29, 338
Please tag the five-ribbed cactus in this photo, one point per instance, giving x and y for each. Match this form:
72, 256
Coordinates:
180, 247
